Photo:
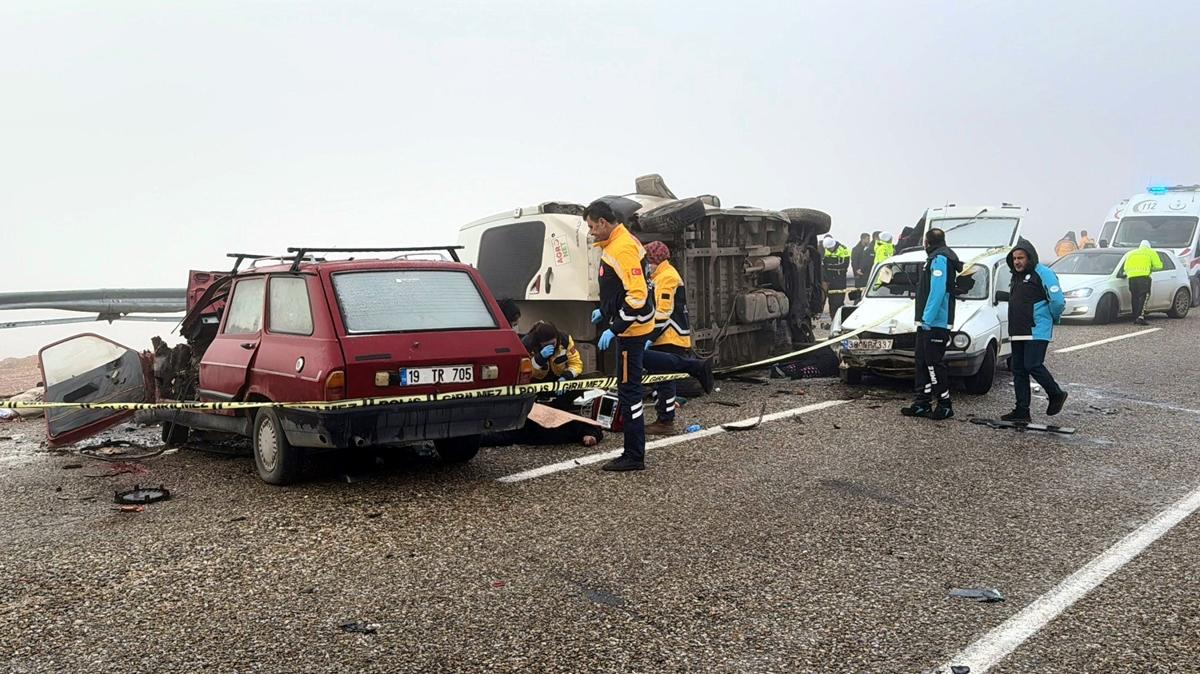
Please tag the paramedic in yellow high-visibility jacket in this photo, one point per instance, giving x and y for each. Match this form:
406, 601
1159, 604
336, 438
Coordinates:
668, 347
627, 307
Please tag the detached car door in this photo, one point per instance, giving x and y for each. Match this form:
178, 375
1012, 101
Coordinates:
227, 361
91, 369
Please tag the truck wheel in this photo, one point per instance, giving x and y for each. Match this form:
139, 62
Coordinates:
815, 222
457, 450
851, 375
277, 461
1181, 304
174, 434
981, 382
673, 217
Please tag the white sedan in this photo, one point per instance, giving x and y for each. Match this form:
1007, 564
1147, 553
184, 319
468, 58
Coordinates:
1095, 287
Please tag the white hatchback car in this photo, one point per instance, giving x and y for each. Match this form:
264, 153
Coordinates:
1096, 289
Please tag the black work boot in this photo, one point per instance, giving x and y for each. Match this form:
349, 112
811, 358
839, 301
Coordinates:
917, 409
943, 411
1017, 416
623, 463
1056, 403
1141, 320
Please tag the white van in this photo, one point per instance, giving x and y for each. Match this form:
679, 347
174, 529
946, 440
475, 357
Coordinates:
982, 237
1167, 217
1110, 224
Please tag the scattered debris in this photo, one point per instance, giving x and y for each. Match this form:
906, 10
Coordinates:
726, 403
1022, 427
72, 466
960, 669
131, 508
373, 515
118, 450
1103, 410
239, 518
692, 429
122, 469
351, 627
498, 584
142, 495
746, 379
985, 595
748, 427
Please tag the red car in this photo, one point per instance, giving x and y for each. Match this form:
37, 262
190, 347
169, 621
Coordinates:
311, 329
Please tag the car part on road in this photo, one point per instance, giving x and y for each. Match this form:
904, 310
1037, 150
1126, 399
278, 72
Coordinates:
111, 451
140, 495
762, 412
960, 669
1021, 426
352, 627
985, 595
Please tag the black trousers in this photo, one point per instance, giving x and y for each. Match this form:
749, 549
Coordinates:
1140, 289
1029, 360
932, 376
837, 297
668, 359
630, 393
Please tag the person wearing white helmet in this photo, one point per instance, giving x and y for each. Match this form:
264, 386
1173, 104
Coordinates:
835, 263
1139, 264
884, 247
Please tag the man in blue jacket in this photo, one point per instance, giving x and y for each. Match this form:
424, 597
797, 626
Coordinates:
1035, 304
934, 317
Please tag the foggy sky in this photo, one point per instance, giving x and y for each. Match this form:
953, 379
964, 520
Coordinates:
141, 139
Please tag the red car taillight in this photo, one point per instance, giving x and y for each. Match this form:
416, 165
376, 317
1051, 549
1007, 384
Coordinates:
335, 385
526, 371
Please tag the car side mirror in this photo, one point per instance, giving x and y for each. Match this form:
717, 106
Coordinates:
1120, 273
1104, 243
854, 295
1002, 296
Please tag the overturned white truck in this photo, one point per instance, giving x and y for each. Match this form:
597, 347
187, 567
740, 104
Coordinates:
753, 275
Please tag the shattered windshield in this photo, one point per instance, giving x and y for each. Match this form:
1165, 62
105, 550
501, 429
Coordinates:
1078, 263
1162, 231
901, 279
977, 232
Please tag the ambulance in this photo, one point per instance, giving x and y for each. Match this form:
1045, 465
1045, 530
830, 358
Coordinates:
1167, 217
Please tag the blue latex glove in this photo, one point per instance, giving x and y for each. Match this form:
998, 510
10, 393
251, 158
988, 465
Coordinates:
606, 338
597, 316
649, 343
547, 351
567, 376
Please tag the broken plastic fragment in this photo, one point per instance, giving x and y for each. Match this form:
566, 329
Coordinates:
980, 594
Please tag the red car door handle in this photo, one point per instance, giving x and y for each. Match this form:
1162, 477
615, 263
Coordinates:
248, 345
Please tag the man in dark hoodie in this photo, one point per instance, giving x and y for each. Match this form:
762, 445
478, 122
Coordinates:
1035, 304
934, 317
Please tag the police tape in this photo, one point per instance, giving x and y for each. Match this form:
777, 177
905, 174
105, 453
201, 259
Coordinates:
838, 339
517, 390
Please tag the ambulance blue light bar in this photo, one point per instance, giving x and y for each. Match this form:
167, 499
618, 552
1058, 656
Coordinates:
1157, 189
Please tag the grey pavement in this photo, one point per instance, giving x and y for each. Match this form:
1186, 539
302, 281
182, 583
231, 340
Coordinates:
825, 542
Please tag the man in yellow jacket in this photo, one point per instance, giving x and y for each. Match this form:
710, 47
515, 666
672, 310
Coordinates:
1139, 264
668, 347
884, 248
626, 305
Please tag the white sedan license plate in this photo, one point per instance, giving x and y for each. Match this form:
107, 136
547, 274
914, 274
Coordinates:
442, 374
868, 344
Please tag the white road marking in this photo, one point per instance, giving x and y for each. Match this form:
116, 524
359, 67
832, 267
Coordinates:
665, 442
1098, 342
994, 646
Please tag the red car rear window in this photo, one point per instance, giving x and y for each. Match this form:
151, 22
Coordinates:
410, 300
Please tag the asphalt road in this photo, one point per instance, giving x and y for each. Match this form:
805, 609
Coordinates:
823, 542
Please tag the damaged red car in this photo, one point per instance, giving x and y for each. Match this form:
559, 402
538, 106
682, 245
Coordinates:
302, 329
